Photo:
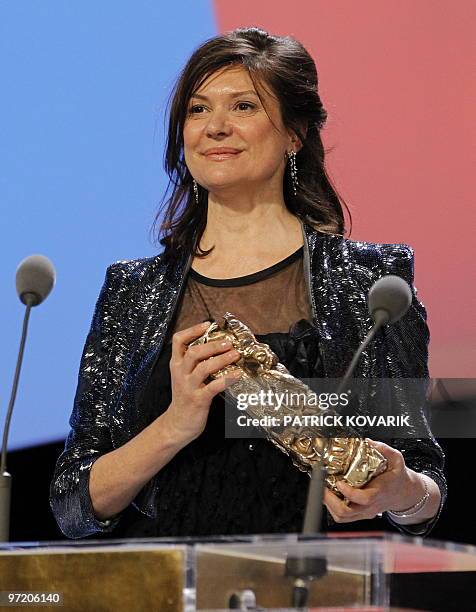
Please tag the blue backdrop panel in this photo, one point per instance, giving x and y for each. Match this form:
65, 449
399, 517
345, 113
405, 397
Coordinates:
84, 86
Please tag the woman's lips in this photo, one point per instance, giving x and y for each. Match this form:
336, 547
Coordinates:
221, 156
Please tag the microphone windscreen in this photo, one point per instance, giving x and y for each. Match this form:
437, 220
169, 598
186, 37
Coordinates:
35, 275
392, 294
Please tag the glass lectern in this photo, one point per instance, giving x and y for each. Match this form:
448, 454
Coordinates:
366, 571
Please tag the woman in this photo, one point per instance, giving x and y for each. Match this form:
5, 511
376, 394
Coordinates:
254, 226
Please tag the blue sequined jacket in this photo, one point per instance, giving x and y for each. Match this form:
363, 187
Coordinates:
131, 319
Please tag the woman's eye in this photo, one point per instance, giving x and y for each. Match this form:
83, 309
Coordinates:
195, 108
242, 106
245, 104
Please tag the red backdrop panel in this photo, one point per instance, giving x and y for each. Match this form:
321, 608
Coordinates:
394, 77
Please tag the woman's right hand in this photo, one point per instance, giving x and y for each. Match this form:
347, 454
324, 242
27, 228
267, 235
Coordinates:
189, 369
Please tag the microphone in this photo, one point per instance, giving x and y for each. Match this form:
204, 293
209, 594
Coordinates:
390, 296
35, 278
388, 300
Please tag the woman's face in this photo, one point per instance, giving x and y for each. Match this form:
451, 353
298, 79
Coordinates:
225, 114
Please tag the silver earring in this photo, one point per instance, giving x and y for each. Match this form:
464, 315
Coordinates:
195, 190
293, 168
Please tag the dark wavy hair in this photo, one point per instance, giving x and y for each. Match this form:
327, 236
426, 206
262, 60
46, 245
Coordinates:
282, 65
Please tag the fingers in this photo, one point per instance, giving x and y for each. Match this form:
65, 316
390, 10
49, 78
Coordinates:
343, 513
182, 338
394, 456
196, 356
192, 355
220, 384
191, 366
362, 497
207, 367
375, 497
338, 509
201, 360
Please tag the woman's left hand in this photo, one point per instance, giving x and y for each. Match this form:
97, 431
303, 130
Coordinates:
398, 488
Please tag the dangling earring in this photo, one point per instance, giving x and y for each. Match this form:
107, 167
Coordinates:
293, 168
195, 190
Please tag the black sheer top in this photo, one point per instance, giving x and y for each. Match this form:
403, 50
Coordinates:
219, 485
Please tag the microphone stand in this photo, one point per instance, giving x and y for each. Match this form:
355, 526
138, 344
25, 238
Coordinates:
306, 569
380, 318
30, 299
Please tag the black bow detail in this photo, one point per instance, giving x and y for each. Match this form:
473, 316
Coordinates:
298, 350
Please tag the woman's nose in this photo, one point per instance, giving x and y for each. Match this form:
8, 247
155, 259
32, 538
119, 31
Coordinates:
218, 124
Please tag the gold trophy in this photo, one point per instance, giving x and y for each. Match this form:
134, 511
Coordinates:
347, 456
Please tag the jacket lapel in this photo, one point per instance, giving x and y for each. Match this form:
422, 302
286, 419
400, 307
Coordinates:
338, 301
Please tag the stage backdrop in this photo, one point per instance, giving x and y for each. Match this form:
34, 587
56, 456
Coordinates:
82, 108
